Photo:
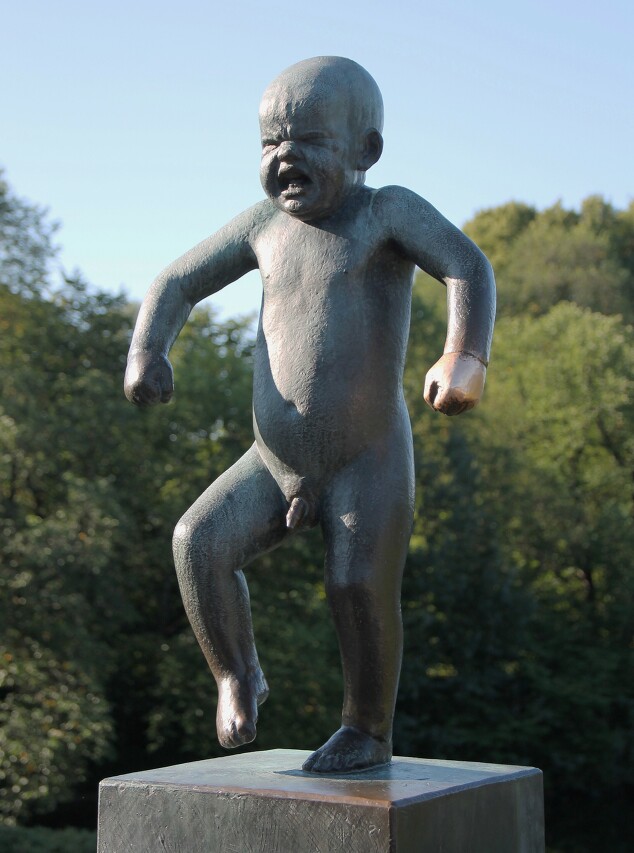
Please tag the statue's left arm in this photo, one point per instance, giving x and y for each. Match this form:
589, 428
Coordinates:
455, 383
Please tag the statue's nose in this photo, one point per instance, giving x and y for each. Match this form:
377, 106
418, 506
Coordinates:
288, 151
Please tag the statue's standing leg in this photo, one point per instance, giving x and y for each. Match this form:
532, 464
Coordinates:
241, 515
367, 521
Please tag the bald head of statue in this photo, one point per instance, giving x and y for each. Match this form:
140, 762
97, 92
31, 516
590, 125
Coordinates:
321, 122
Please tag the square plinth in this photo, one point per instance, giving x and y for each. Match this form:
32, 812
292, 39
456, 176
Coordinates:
262, 802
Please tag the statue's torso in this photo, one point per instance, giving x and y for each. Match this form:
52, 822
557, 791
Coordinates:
331, 343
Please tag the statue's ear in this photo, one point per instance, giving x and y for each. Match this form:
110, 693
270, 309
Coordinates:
372, 149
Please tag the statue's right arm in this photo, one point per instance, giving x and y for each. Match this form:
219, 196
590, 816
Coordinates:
207, 268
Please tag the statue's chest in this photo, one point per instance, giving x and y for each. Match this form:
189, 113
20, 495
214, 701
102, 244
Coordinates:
298, 260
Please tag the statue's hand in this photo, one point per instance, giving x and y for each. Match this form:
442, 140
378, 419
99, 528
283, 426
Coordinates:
455, 383
149, 379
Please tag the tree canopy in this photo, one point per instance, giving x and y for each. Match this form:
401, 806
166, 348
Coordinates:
543, 258
518, 597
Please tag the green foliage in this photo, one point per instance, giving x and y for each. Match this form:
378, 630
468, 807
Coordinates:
53, 721
19, 839
566, 504
519, 590
518, 596
56, 530
496, 230
26, 243
541, 259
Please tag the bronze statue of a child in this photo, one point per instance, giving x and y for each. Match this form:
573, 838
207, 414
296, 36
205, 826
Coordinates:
333, 443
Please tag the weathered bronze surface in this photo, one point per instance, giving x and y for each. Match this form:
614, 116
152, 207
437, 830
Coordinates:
333, 442
264, 802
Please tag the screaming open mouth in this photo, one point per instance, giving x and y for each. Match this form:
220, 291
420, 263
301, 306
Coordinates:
292, 181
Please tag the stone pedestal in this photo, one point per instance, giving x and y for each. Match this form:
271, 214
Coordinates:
262, 802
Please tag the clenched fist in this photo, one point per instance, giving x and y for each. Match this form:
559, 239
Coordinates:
455, 383
149, 379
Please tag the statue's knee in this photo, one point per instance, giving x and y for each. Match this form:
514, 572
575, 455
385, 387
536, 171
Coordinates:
343, 589
186, 538
363, 592
196, 544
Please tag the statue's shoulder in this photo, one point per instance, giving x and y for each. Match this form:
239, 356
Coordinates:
394, 196
248, 225
398, 206
259, 215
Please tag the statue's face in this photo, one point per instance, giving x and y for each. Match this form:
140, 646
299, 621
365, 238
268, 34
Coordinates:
309, 152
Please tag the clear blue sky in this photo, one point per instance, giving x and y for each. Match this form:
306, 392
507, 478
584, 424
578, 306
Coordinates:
136, 122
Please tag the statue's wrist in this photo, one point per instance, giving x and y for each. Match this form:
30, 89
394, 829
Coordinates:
469, 354
140, 351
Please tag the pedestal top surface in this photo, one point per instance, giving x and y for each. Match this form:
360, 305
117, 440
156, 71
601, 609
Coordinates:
278, 773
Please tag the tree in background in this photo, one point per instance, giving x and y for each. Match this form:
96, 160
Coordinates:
56, 535
558, 255
98, 672
518, 592
563, 388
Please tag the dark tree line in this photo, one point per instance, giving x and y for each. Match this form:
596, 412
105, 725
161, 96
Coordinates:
519, 588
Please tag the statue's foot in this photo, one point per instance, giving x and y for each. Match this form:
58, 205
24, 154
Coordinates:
347, 751
237, 713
